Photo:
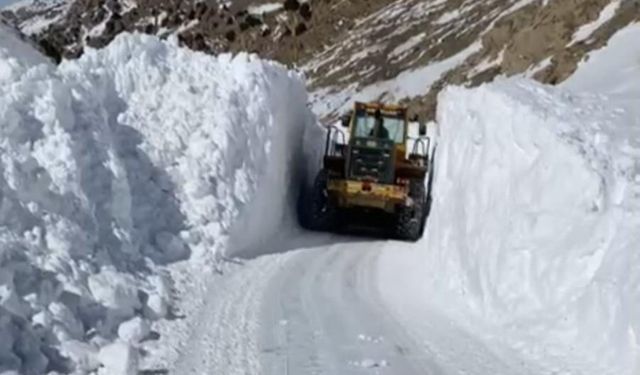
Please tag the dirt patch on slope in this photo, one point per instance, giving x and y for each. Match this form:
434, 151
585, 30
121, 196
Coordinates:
536, 40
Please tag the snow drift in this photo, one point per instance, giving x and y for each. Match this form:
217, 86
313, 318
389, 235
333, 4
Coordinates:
111, 166
533, 237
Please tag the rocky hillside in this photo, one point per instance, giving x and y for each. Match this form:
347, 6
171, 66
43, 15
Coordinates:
370, 49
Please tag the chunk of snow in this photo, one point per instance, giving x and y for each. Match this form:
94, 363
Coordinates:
43, 318
115, 291
157, 304
9, 299
134, 330
264, 8
83, 356
118, 358
62, 315
156, 307
172, 247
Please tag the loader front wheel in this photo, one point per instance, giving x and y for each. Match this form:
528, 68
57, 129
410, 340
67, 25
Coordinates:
321, 215
410, 219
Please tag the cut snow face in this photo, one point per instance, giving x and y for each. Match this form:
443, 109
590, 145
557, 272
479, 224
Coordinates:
16, 55
533, 235
131, 157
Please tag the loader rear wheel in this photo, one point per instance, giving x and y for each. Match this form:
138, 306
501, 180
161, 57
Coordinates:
410, 219
321, 215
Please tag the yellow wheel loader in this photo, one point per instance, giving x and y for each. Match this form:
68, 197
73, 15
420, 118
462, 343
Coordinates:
368, 178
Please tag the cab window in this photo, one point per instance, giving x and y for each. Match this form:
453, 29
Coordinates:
365, 127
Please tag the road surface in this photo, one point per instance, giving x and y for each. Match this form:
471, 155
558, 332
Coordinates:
325, 310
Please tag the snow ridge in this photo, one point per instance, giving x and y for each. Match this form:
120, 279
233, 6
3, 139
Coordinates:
533, 233
115, 165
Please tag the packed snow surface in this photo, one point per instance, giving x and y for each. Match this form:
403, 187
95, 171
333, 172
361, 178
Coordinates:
115, 166
534, 229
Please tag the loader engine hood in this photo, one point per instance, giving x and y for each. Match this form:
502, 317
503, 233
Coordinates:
372, 159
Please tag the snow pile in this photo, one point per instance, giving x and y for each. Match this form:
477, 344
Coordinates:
116, 164
534, 232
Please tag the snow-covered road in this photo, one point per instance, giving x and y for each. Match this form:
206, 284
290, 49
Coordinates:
323, 310
324, 316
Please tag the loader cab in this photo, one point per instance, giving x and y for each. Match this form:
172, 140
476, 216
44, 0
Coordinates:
378, 126
367, 172
377, 138
377, 122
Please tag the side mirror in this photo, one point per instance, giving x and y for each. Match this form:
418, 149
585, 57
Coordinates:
422, 129
345, 119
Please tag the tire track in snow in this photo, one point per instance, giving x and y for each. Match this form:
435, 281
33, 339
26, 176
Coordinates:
224, 337
324, 311
334, 320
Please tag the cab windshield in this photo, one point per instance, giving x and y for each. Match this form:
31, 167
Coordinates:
365, 127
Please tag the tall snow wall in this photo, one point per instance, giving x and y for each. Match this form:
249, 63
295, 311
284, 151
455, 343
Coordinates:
534, 233
134, 156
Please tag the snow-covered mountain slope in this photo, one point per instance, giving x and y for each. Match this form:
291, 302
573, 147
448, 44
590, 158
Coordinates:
35, 16
365, 48
411, 50
113, 168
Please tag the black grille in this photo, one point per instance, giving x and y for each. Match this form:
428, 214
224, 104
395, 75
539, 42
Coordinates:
374, 161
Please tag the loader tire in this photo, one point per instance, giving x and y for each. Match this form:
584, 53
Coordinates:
410, 220
321, 215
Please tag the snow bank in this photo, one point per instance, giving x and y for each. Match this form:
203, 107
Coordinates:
585, 31
533, 237
113, 165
